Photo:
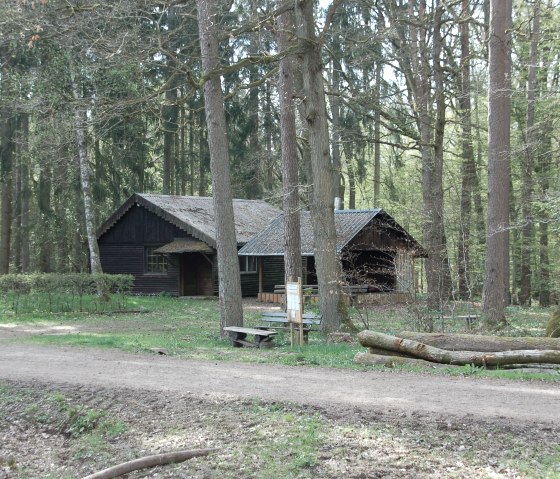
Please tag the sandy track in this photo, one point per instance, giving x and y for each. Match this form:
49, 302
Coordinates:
327, 388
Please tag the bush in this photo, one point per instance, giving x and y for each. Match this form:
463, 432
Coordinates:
54, 292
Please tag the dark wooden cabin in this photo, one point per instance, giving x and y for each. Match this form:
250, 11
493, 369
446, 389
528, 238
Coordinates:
168, 243
374, 250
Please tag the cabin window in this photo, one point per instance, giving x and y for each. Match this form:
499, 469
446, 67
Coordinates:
155, 262
248, 264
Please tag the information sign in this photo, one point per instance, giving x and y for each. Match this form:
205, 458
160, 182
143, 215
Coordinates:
294, 307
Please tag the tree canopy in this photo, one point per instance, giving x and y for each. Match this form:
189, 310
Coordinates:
406, 95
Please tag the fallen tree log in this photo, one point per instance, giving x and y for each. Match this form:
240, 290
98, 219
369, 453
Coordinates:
437, 355
383, 357
474, 342
386, 352
148, 461
369, 359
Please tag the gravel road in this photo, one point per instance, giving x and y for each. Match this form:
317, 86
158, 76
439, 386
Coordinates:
395, 392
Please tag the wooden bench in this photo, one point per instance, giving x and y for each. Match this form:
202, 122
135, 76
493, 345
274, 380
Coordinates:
278, 320
238, 337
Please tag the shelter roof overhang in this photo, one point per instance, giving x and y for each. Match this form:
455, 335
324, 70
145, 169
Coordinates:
185, 245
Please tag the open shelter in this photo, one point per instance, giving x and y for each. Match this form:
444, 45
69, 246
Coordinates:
375, 251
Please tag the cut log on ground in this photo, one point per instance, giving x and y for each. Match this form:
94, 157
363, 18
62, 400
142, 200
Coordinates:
372, 339
490, 344
149, 461
386, 352
393, 361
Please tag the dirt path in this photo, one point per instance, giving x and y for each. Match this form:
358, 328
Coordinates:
402, 393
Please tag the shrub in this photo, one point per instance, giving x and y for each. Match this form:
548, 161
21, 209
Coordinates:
54, 292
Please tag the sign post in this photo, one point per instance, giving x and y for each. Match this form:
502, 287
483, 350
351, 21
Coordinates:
294, 308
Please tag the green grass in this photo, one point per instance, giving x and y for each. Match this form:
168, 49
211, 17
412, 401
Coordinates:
190, 329
268, 440
291, 443
186, 328
288, 443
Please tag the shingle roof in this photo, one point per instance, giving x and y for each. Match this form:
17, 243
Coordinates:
195, 215
185, 245
270, 241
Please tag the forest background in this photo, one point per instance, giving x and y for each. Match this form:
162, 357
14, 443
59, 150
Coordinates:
113, 90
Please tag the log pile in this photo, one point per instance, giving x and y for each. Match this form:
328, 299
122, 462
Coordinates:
444, 350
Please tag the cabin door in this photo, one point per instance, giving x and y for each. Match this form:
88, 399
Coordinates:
196, 275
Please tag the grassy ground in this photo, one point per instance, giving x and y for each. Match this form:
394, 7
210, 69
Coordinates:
189, 328
67, 433
56, 431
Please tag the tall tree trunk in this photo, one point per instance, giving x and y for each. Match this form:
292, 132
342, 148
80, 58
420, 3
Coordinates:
545, 173
431, 126
44, 200
204, 158
304, 146
7, 151
270, 162
21, 203
322, 208
25, 192
468, 167
289, 153
85, 176
528, 163
544, 271
170, 110
181, 179
377, 135
335, 133
499, 118
231, 311
16, 223
192, 120
351, 186
444, 271
480, 219
253, 186
169, 113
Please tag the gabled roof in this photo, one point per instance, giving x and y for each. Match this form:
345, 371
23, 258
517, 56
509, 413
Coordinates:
195, 215
348, 223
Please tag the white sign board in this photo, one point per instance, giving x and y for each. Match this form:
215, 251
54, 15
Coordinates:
293, 301
294, 308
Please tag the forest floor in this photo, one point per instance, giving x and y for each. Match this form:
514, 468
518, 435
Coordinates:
68, 411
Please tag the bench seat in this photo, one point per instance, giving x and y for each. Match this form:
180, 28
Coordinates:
238, 337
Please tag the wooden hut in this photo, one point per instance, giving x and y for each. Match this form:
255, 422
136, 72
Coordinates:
375, 251
168, 243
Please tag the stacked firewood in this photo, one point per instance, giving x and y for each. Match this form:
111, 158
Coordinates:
443, 350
